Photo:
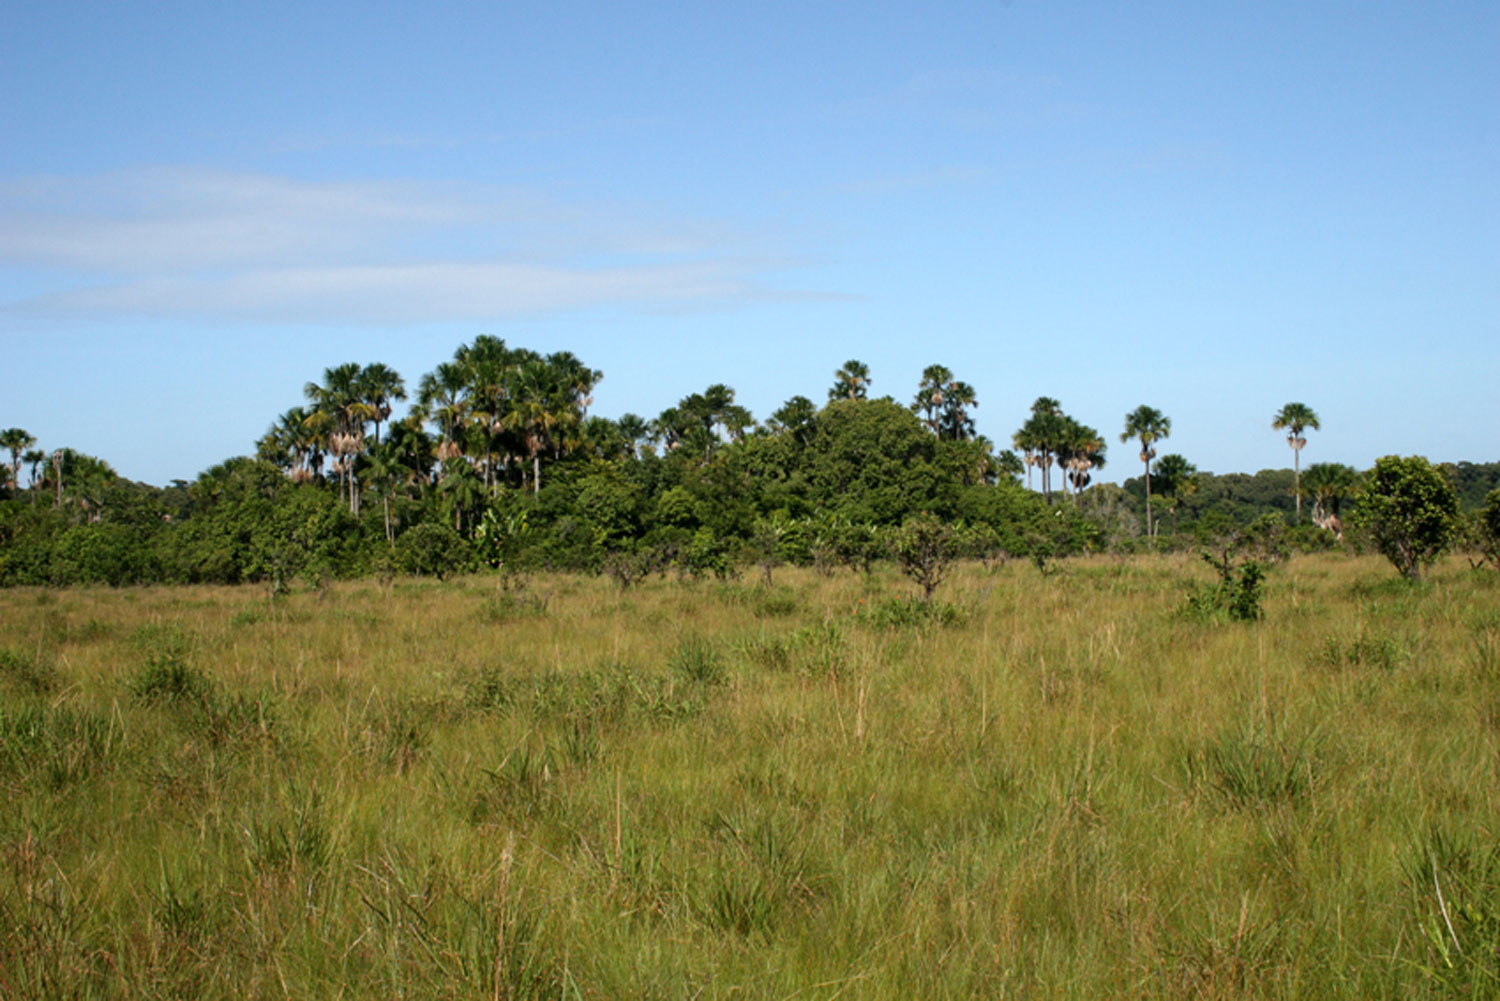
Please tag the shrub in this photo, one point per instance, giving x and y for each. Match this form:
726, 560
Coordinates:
431, 549
926, 548
1409, 512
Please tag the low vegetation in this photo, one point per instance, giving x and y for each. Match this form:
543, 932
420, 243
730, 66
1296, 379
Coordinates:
564, 786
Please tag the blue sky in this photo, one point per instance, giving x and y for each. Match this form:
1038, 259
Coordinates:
1210, 208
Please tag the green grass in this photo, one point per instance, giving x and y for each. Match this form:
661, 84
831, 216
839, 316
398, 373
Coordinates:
1037, 786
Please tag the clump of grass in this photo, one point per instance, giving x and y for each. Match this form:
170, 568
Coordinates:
908, 613
395, 733
699, 661
771, 602
27, 671
169, 681
295, 836
771, 652
1363, 650
518, 787
1455, 880
1255, 765
55, 745
820, 650
1485, 653
512, 605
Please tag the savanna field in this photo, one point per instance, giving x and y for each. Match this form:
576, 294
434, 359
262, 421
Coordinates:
1044, 785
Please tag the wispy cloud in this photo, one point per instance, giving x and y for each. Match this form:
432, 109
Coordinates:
264, 248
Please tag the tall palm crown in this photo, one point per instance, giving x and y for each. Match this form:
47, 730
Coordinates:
852, 381
1038, 438
1147, 425
1294, 418
381, 385
18, 441
1330, 484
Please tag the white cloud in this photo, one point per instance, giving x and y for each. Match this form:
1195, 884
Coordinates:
180, 241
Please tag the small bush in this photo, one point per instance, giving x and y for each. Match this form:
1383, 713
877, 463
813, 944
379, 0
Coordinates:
1236, 595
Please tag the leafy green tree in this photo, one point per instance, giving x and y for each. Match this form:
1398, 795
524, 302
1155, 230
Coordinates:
432, 549
1484, 530
796, 417
1148, 426
1294, 418
1409, 511
851, 382
872, 461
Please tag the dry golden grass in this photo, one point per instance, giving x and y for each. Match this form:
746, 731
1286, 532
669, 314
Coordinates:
1057, 786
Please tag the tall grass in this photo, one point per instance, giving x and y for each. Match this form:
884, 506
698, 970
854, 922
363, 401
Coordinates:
1041, 786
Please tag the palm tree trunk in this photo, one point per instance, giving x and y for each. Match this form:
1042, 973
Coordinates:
536, 473
1297, 482
1150, 525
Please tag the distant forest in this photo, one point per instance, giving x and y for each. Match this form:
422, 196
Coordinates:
499, 463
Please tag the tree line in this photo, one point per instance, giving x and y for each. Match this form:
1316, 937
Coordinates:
498, 461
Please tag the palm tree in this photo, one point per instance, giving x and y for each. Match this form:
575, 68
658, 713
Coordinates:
380, 385
34, 458
18, 441
1039, 436
1148, 425
1176, 479
1330, 483
342, 397
852, 381
1080, 449
929, 401
1294, 418
383, 469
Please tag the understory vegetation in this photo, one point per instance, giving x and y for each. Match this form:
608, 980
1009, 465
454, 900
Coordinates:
1035, 784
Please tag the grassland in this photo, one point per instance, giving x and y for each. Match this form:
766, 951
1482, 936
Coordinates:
1055, 786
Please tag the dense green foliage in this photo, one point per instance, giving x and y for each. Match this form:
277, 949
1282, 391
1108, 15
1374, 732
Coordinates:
1409, 510
499, 464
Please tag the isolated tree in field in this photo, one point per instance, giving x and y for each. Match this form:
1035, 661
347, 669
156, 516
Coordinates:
17, 441
926, 549
1294, 418
1148, 426
851, 382
1409, 510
